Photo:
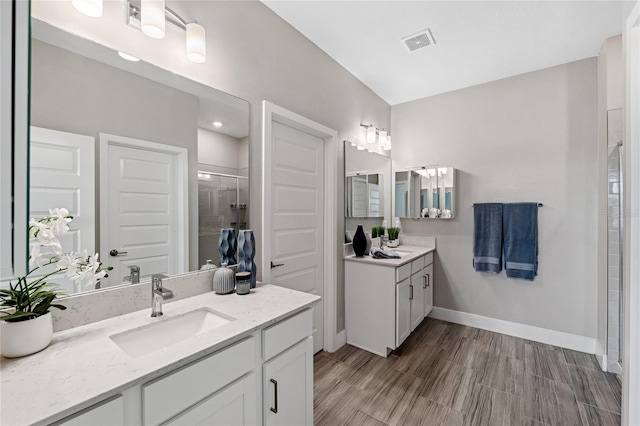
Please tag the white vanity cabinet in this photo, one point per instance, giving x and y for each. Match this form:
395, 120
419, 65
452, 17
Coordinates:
385, 300
288, 372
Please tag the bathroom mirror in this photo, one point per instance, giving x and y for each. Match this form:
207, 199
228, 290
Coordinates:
151, 165
367, 188
425, 192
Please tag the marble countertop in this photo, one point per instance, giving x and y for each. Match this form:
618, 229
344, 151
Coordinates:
415, 252
83, 366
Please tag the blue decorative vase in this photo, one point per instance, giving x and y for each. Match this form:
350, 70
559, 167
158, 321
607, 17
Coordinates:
359, 242
246, 253
227, 246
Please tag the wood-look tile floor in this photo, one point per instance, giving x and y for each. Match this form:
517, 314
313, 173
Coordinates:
449, 374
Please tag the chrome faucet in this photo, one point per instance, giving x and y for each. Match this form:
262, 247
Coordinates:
383, 240
158, 294
134, 275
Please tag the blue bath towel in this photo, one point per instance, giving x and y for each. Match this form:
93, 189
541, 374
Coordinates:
520, 229
487, 237
377, 253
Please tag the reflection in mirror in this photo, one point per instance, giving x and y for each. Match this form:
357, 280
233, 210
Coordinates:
132, 151
367, 188
425, 192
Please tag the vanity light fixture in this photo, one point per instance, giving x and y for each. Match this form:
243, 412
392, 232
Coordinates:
387, 146
217, 124
371, 134
382, 137
151, 16
91, 8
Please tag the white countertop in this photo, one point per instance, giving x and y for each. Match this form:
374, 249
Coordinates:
415, 252
83, 366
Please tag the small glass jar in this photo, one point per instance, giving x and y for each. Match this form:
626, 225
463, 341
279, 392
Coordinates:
243, 282
208, 265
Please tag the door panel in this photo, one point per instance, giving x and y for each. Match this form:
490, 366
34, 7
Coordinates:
417, 300
403, 311
428, 292
297, 212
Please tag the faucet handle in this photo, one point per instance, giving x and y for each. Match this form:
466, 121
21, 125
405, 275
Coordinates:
135, 269
156, 280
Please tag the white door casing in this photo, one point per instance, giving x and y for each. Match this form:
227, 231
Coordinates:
62, 174
631, 286
143, 207
277, 119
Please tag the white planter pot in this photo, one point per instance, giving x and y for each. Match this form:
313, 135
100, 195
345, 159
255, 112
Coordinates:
25, 337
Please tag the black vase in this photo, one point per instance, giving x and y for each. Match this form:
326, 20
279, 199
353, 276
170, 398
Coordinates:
359, 242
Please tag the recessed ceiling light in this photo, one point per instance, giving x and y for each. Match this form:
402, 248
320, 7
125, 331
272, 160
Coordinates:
128, 57
217, 124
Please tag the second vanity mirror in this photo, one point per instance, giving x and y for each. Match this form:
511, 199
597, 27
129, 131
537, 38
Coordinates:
425, 192
151, 165
367, 188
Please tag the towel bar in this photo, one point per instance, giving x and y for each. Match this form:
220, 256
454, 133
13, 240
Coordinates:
539, 205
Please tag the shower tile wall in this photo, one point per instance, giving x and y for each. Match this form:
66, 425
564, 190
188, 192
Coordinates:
614, 120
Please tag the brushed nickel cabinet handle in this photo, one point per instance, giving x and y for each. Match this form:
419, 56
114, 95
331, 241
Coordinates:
411, 295
275, 265
275, 392
428, 279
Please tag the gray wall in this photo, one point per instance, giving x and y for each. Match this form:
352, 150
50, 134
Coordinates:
531, 137
72, 93
255, 55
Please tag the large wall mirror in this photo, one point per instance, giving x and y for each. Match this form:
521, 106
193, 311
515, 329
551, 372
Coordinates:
150, 164
367, 188
425, 192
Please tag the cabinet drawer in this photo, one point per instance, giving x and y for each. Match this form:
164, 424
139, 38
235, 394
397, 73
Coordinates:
403, 272
286, 333
177, 391
428, 259
109, 412
417, 265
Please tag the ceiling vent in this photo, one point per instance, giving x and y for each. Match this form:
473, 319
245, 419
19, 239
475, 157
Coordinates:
417, 41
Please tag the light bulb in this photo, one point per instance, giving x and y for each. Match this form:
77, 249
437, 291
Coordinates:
91, 8
128, 57
196, 45
152, 18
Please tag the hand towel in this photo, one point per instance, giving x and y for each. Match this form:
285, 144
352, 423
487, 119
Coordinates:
487, 237
520, 229
376, 253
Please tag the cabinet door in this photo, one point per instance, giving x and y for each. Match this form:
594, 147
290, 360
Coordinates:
417, 299
234, 405
428, 289
288, 386
403, 310
106, 413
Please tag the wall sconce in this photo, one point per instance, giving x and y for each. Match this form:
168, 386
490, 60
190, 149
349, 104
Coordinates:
384, 139
91, 8
151, 18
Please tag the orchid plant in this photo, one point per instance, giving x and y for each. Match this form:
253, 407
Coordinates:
32, 299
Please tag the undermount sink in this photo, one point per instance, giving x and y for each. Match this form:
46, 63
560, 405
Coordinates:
168, 331
400, 251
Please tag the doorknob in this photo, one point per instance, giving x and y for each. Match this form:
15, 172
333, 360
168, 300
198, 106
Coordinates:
115, 252
275, 265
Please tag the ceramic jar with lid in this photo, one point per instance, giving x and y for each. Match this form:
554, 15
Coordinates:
243, 282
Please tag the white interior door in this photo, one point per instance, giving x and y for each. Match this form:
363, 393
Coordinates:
141, 200
297, 214
62, 171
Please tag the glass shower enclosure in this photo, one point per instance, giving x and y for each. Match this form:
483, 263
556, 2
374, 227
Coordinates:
222, 203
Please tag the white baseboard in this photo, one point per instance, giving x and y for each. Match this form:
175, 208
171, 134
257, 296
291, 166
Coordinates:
537, 334
339, 341
601, 356
615, 368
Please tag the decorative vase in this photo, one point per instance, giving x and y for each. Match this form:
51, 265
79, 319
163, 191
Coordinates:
368, 248
360, 242
227, 246
223, 280
246, 253
25, 337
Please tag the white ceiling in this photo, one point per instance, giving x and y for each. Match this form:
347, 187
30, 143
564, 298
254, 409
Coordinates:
476, 41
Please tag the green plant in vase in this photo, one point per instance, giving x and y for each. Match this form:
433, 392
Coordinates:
393, 233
